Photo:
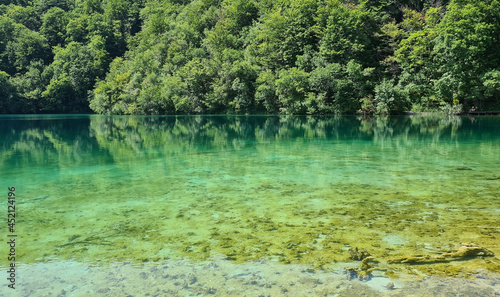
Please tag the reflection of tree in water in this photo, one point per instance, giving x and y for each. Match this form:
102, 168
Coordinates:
435, 128
69, 139
30, 141
210, 133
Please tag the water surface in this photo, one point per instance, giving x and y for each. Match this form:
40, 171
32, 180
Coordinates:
101, 190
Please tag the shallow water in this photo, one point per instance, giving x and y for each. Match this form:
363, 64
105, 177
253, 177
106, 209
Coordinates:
101, 190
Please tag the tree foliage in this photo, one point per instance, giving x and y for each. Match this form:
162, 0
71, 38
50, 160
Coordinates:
248, 56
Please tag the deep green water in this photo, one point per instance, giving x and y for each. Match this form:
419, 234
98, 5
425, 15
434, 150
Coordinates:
98, 189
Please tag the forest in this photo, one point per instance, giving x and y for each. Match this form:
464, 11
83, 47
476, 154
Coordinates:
149, 57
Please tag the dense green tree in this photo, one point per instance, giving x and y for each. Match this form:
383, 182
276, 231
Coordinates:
7, 26
283, 34
8, 101
89, 7
265, 93
77, 29
233, 87
54, 23
197, 76
248, 56
19, 45
346, 33
491, 84
74, 71
416, 56
43, 6
110, 96
389, 98
292, 87
467, 48
340, 88
24, 15
30, 86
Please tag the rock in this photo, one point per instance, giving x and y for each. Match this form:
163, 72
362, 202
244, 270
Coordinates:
390, 286
358, 255
466, 250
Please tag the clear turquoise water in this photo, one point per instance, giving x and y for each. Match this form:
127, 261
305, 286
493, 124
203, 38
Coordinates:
293, 190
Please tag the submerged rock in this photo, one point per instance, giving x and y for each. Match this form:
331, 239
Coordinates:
466, 250
357, 255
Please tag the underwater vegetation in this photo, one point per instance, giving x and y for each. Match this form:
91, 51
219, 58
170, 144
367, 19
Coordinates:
396, 195
289, 224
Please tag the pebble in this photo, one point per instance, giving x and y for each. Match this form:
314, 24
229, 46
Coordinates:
390, 286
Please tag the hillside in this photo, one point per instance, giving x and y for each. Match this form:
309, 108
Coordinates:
248, 56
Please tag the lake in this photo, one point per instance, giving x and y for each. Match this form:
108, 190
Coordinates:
222, 205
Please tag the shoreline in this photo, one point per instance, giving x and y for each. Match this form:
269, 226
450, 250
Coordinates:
224, 278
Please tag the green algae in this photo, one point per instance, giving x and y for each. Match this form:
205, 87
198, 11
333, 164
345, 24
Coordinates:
287, 233
165, 192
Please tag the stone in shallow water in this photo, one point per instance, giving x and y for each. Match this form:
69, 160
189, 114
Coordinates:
394, 240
